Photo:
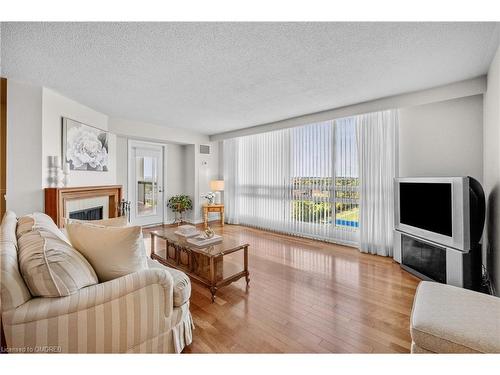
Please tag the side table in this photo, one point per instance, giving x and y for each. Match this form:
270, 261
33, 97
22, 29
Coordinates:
213, 208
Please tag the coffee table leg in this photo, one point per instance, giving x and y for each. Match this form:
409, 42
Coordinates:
152, 244
213, 288
245, 259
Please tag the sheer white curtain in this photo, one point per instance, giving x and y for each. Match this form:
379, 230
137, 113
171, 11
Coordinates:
300, 181
263, 191
376, 138
331, 180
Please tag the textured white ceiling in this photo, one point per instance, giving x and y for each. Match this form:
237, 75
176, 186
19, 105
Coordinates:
215, 77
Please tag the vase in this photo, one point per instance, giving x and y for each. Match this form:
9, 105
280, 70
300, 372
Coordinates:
179, 219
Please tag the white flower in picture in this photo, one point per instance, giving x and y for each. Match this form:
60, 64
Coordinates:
86, 148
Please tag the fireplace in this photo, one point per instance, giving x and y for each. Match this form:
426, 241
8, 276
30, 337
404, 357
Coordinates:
93, 213
61, 202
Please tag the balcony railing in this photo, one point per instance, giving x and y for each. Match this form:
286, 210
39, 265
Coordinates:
311, 200
317, 200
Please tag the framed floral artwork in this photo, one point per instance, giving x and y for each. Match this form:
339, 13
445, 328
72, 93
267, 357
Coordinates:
84, 147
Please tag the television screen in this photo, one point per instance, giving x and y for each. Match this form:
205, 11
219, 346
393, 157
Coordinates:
426, 206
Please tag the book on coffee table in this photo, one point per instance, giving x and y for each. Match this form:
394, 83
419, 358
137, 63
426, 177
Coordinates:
201, 240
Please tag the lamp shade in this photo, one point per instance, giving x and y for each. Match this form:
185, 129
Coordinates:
217, 185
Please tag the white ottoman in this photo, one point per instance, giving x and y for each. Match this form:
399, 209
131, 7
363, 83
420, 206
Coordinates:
447, 319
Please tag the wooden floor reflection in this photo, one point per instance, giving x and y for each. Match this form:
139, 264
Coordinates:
305, 296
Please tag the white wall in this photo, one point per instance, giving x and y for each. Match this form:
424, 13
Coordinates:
442, 139
491, 171
191, 179
470, 87
56, 106
182, 159
179, 172
174, 175
35, 132
122, 163
24, 149
200, 169
208, 170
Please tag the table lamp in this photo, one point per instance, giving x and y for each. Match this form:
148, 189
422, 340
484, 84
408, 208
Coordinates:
217, 186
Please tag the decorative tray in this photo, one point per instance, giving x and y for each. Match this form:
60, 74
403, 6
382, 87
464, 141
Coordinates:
201, 241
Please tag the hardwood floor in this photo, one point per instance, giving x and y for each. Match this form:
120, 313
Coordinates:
305, 296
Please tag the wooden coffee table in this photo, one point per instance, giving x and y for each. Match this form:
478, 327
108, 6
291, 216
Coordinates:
209, 265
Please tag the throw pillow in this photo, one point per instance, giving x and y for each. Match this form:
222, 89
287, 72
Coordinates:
112, 251
38, 220
50, 266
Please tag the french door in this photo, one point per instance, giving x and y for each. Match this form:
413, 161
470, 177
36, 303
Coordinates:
145, 186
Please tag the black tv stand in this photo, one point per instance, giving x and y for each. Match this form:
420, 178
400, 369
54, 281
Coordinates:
434, 262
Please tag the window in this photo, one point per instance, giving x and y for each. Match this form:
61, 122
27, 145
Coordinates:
315, 196
301, 180
346, 174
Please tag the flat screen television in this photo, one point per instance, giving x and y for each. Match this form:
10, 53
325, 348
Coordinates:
439, 209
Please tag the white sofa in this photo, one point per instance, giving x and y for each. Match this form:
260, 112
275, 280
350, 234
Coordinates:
447, 319
143, 312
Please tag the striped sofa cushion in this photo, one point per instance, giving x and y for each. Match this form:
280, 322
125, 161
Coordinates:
38, 220
13, 289
50, 266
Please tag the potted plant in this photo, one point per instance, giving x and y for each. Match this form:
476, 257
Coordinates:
179, 204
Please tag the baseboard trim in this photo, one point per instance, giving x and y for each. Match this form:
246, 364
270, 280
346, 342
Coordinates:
200, 221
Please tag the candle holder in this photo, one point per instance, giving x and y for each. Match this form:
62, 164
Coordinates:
55, 177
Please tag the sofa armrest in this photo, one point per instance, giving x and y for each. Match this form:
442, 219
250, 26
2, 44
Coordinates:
110, 317
95, 295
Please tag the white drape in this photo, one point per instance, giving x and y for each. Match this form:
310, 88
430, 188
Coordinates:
263, 180
331, 180
376, 138
300, 181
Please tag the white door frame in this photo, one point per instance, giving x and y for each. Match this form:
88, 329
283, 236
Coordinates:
131, 143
